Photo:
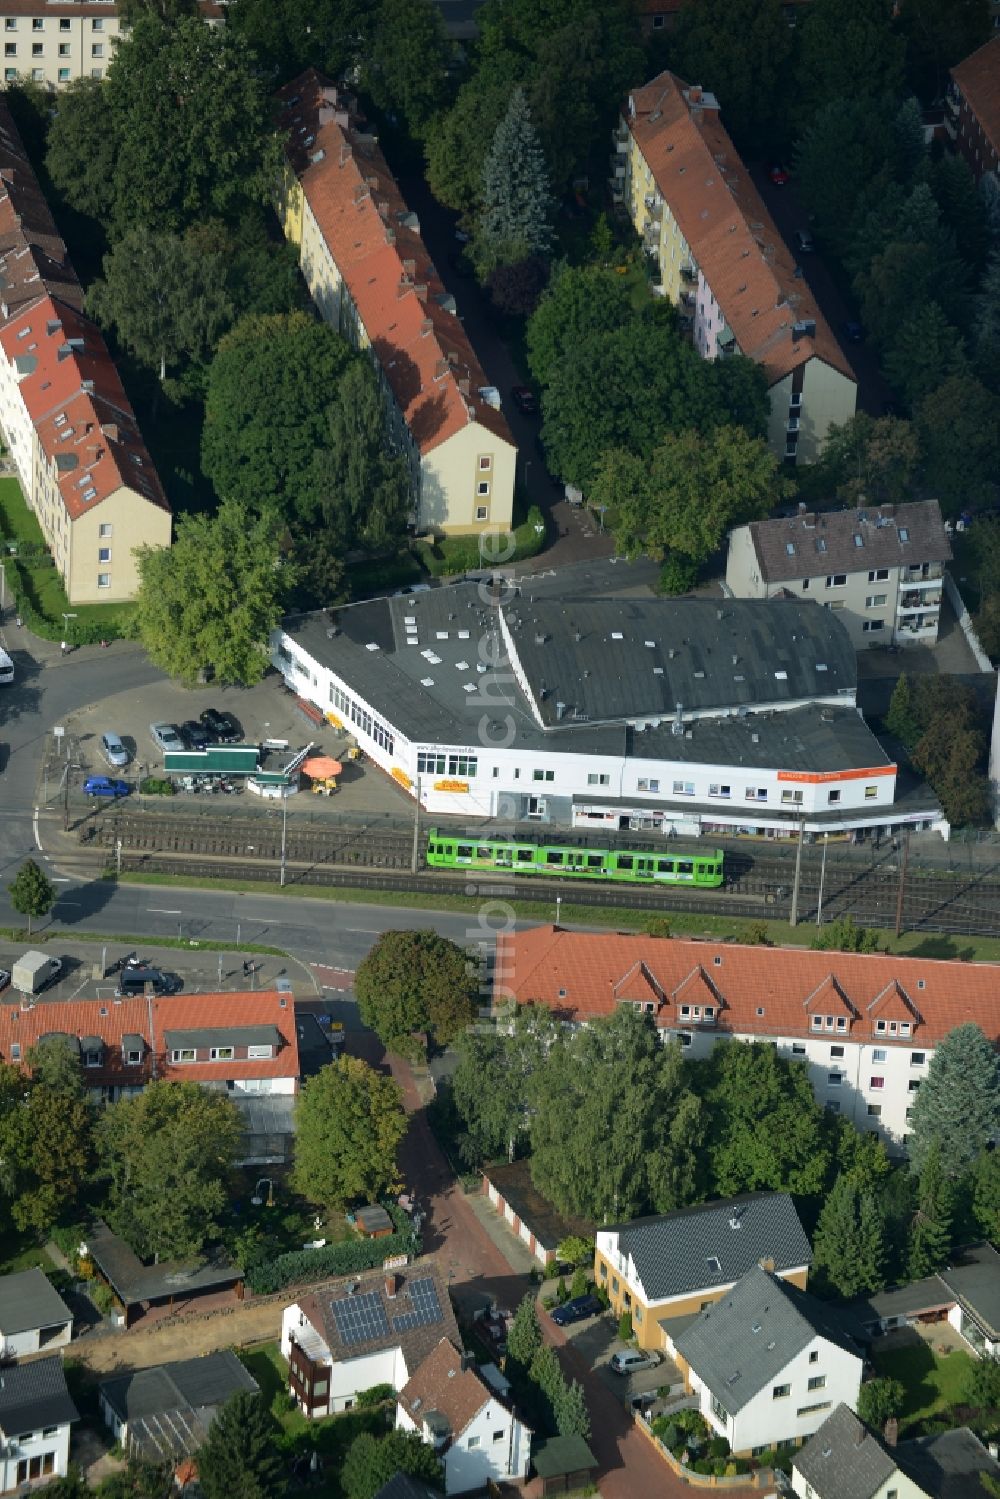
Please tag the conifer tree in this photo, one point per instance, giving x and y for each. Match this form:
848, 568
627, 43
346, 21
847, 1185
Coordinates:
849, 1247
516, 218
240, 1458
958, 1104
930, 1232
572, 1416
525, 1336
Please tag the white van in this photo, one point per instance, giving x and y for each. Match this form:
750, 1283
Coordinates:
6, 669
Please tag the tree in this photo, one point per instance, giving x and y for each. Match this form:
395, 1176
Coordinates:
987, 316
266, 407
492, 1083
939, 33
81, 152
45, 1150
849, 1247
842, 166
131, 11
405, 65
167, 1153
930, 1233
515, 289
580, 301
576, 1251
602, 1129
361, 490
982, 1388
516, 215
879, 1400
349, 1122
842, 935
962, 208
548, 1378
692, 490
901, 719
292, 36
414, 981
847, 51
240, 1458
741, 51
926, 349
572, 1415
959, 429
765, 1130
213, 598
54, 1062
957, 1107
164, 296
951, 755
138, 1480
986, 1194
870, 459
457, 141
371, 1462
31, 892
524, 1336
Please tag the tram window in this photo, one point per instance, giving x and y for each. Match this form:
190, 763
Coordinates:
703, 869
664, 866
595, 861
685, 866
463, 851
526, 856
624, 861
554, 856
484, 853
504, 856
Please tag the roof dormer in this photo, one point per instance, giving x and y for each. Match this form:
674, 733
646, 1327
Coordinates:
829, 1008
893, 1014
697, 998
640, 986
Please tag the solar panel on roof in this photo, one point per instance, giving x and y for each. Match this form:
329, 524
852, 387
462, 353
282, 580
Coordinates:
426, 1307
359, 1319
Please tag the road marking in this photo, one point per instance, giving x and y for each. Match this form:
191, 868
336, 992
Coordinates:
61, 879
159, 911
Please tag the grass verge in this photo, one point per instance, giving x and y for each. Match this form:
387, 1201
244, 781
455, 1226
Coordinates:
682, 923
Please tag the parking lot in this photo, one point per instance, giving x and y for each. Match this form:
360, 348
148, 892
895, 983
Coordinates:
596, 1340
264, 712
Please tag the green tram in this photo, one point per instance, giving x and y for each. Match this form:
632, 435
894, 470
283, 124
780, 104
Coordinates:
633, 866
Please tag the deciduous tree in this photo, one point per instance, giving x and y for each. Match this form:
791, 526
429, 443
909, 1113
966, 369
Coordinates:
406, 61
580, 301
959, 429
266, 409
415, 981
81, 152
213, 598
458, 141
741, 51
516, 214
844, 935
167, 1154
360, 488
879, 1400
349, 1121
31, 892
292, 35
240, 1456
44, 1150
957, 1107
492, 1083
848, 50
165, 297
925, 350
371, 1461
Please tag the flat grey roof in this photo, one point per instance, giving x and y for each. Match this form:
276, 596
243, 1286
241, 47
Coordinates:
824, 542
426, 662
133, 1281
29, 1300
195, 1382
814, 738
225, 1035
34, 1395
975, 1281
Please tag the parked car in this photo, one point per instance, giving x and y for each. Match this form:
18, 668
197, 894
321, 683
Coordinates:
804, 241
778, 174
632, 1360
577, 1310
105, 786
4, 978
166, 737
525, 400
853, 332
114, 751
194, 735
222, 727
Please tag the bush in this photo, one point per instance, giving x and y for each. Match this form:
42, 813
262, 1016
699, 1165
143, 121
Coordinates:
601, 1292
302, 1266
677, 575
702, 1465
561, 1292
625, 1326
667, 1431
102, 1296
156, 786
718, 1447
580, 1284
377, 1395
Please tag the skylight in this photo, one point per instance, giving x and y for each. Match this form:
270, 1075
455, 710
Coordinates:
904, 534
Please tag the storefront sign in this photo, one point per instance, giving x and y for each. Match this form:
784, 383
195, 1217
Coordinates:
451, 785
401, 777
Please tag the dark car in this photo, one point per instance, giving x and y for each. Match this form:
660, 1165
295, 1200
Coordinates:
105, 786
577, 1310
222, 727
525, 400
804, 241
194, 734
853, 332
777, 173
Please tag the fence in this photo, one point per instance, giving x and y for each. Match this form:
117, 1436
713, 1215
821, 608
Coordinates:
965, 624
763, 1478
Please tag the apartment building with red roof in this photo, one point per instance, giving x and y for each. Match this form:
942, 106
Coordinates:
70, 428
865, 1026
973, 115
723, 263
371, 277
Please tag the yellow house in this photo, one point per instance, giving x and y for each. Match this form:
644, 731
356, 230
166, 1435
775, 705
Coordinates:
371, 278
721, 261
663, 1271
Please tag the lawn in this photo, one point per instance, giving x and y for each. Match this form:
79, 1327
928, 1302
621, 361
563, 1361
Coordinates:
21, 1252
330, 1437
933, 1382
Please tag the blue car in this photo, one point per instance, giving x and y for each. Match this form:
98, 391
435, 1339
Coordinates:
105, 786
577, 1310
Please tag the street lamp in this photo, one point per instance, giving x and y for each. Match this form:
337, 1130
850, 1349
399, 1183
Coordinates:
822, 878
64, 619
284, 831
558, 905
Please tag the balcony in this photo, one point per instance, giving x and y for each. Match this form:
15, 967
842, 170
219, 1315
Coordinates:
689, 299
688, 272
792, 424
920, 576
725, 346
619, 137
910, 601
654, 206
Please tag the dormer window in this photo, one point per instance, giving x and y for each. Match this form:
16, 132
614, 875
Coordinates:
257, 1053
133, 1058
225, 1053
92, 1059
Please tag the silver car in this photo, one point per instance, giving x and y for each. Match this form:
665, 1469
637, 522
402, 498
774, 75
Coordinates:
166, 737
114, 751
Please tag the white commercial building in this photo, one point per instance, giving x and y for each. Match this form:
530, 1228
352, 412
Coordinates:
682, 716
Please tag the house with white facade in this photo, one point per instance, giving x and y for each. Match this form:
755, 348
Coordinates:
663, 1270
844, 1460
865, 1026
880, 568
36, 1414
372, 279
966, 1292
474, 1432
768, 1363
163, 1414
719, 257
33, 1316
689, 716
364, 1330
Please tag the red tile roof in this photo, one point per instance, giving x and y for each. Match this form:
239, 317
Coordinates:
978, 80
373, 238
442, 1383
112, 1020
767, 991
744, 260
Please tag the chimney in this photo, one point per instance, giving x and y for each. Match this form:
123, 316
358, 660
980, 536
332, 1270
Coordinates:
360, 193
463, 386
768, 1265
425, 327
891, 1431
694, 94
391, 1285
410, 268
345, 154
372, 183
803, 507
441, 369
421, 290
110, 430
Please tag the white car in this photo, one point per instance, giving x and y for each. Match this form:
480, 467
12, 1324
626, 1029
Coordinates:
114, 751
166, 737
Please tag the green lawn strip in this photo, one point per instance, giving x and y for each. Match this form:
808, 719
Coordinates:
682, 923
933, 1382
38, 939
21, 1252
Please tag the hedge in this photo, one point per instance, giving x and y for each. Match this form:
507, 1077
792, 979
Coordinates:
301, 1266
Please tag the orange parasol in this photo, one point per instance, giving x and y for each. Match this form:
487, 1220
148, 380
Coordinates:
321, 767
